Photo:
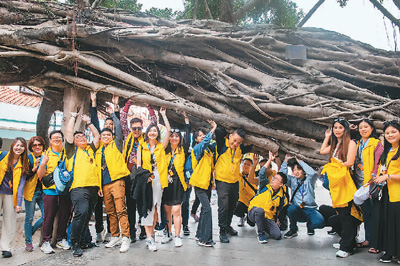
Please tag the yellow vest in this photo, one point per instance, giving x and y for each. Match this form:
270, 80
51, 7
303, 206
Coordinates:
129, 144
202, 170
52, 164
161, 160
17, 172
246, 193
227, 168
30, 185
267, 202
393, 169
179, 164
114, 160
341, 185
85, 171
368, 157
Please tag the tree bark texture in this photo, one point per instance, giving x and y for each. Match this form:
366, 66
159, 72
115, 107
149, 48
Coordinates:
239, 77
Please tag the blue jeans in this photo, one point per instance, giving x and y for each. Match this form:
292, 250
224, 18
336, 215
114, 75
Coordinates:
30, 213
366, 208
312, 216
204, 228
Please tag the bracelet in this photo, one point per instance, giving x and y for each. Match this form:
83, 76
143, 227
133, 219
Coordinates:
388, 177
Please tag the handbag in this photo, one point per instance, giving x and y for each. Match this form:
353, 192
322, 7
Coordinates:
362, 194
48, 180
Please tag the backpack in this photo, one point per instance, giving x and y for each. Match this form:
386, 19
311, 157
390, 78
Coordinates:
62, 177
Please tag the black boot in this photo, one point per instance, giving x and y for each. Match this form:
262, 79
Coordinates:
76, 250
223, 236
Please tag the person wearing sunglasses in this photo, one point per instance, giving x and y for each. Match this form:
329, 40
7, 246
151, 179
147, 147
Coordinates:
86, 183
389, 173
33, 191
151, 156
342, 153
133, 137
173, 194
13, 170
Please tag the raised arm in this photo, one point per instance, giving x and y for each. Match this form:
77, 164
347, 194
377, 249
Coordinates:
115, 100
93, 110
252, 173
95, 132
69, 130
124, 119
325, 147
119, 136
41, 172
220, 134
163, 113
186, 139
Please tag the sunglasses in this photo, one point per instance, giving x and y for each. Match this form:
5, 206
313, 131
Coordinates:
338, 119
390, 123
37, 145
175, 131
136, 128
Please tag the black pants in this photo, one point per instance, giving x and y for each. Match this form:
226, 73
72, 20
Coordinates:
185, 207
348, 230
204, 228
241, 209
98, 215
83, 202
228, 195
195, 205
130, 207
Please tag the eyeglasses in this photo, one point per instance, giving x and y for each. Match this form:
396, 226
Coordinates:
277, 179
176, 130
56, 138
390, 123
136, 128
37, 145
80, 137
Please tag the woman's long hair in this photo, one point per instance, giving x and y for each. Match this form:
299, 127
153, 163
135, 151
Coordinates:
374, 134
168, 148
386, 145
23, 156
343, 148
146, 138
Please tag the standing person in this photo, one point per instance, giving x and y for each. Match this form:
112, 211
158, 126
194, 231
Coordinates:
13, 170
369, 150
227, 174
108, 123
342, 153
133, 137
303, 207
86, 183
174, 193
247, 188
54, 202
389, 172
33, 191
202, 163
151, 156
264, 209
112, 171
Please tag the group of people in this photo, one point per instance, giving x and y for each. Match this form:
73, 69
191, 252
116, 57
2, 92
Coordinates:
135, 172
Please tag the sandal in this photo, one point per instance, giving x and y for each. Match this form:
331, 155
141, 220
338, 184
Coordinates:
373, 251
363, 244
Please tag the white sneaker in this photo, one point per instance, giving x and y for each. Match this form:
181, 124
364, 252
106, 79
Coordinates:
107, 238
115, 240
46, 248
167, 238
178, 241
241, 222
125, 244
63, 244
342, 254
99, 237
336, 245
151, 244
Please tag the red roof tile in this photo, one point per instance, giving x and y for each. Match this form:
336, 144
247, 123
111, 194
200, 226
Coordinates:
11, 96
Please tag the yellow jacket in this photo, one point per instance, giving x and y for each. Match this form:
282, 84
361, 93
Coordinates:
227, 167
341, 185
161, 159
129, 144
368, 157
246, 193
269, 203
17, 172
114, 160
393, 169
30, 185
179, 163
202, 170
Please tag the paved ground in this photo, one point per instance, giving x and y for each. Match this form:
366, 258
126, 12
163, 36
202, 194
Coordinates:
243, 250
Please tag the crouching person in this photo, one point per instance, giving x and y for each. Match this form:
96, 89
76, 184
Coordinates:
86, 183
112, 170
264, 208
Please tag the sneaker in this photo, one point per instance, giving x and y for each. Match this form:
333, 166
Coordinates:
336, 245
186, 231
241, 222
29, 247
290, 234
262, 239
310, 232
6, 254
77, 251
223, 237
142, 235
206, 244
178, 241
107, 238
125, 243
99, 237
115, 240
63, 244
231, 231
342, 254
386, 258
46, 248
133, 239
195, 217
331, 232
151, 244
167, 238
